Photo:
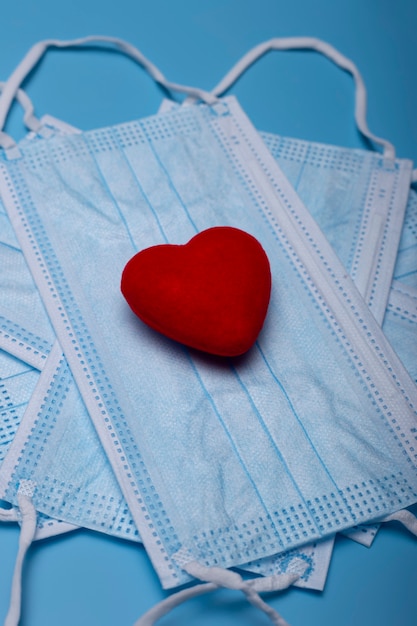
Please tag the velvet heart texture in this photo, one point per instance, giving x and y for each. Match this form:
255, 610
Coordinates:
211, 293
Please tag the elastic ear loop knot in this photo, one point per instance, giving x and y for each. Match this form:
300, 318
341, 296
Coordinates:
216, 578
27, 534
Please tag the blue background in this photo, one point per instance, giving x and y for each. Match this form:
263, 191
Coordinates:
88, 579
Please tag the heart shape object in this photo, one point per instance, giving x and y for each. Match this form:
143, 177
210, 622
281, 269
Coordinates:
211, 293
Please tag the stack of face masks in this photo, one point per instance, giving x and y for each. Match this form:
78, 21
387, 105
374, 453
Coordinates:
321, 406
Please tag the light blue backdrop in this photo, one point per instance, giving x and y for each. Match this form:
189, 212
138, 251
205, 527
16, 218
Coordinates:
85, 579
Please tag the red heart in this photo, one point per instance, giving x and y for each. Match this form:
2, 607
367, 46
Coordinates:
211, 293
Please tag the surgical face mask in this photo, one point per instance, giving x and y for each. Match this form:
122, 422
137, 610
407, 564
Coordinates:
365, 227
317, 556
364, 230
292, 241
99, 485
72, 428
358, 203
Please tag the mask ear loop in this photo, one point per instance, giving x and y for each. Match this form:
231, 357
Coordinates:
216, 578
250, 588
31, 122
27, 534
311, 43
38, 50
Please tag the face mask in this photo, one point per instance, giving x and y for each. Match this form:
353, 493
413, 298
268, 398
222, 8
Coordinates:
114, 518
72, 428
399, 320
328, 167
300, 296
364, 230
317, 556
19, 339
72, 444
24, 492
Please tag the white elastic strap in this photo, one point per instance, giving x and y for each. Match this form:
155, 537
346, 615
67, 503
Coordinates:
38, 50
27, 534
167, 605
406, 518
311, 43
31, 122
251, 588
216, 578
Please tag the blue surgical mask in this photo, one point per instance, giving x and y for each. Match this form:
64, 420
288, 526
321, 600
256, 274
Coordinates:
289, 153
370, 197
314, 308
114, 518
364, 230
